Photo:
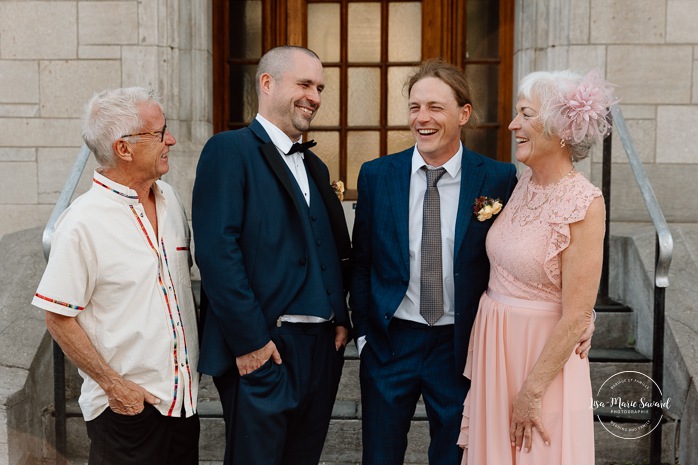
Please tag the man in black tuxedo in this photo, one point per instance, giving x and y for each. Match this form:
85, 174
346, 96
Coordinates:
273, 249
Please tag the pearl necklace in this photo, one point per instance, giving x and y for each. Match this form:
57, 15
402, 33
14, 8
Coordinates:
550, 193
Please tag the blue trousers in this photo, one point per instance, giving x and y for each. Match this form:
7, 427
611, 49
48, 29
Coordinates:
280, 414
423, 364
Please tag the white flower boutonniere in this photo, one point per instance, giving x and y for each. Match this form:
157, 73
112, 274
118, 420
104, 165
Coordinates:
485, 208
338, 187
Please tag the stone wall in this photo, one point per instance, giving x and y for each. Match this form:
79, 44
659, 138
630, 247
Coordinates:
55, 54
647, 48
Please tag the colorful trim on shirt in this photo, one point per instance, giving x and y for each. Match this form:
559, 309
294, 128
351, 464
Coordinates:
179, 314
58, 302
172, 321
132, 197
179, 249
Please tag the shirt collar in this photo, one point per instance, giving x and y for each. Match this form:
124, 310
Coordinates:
119, 192
277, 136
452, 166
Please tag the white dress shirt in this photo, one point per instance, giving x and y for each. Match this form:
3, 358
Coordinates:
449, 193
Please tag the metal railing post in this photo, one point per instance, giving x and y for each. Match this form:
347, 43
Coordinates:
606, 190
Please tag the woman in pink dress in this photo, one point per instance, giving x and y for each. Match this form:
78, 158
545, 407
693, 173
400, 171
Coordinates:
529, 402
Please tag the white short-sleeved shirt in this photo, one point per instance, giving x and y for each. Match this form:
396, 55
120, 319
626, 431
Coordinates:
129, 290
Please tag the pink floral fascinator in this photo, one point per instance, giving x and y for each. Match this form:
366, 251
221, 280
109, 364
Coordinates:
581, 108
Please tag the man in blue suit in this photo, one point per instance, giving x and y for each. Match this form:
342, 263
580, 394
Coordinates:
273, 247
414, 301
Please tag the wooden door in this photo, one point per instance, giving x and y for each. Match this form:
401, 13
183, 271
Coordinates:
368, 48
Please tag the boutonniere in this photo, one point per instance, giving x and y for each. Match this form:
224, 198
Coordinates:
338, 187
485, 208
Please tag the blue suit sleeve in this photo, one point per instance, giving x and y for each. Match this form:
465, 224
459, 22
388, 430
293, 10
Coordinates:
360, 289
218, 207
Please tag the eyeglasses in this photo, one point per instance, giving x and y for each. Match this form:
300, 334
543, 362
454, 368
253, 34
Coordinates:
160, 133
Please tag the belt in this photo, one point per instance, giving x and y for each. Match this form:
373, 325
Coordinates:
408, 324
305, 328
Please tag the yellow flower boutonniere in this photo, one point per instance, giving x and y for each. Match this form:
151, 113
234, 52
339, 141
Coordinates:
485, 208
338, 187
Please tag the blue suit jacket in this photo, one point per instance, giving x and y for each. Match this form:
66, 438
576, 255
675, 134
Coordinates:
250, 243
381, 246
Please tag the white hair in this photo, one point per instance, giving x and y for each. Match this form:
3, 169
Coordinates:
111, 114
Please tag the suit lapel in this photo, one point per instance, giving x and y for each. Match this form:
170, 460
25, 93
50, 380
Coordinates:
472, 174
276, 163
399, 192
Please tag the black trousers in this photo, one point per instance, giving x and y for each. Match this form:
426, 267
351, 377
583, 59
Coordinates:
148, 438
279, 414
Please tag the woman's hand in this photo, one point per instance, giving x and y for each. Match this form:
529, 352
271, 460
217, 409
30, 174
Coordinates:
526, 415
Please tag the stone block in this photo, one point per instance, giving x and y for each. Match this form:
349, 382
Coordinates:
38, 30
628, 21
17, 154
99, 52
674, 186
343, 443
680, 21
77, 440
694, 97
638, 111
54, 165
614, 330
675, 133
19, 111
579, 15
643, 134
201, 25
587, 57
108, 23
212, 439
148, 22
20, 81
181, 175
140, 67
634, 70
40, 132
19, 217
66, 86
18, 182
349, 383
610, 449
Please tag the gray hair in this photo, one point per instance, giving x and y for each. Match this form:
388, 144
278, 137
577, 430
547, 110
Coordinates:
278, 60
554, 89
109, 115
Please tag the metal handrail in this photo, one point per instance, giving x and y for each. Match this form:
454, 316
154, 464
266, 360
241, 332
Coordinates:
666, 242
58, 357
663, 254
64, 199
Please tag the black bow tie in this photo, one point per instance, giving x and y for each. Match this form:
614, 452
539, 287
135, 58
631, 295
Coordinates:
296, 147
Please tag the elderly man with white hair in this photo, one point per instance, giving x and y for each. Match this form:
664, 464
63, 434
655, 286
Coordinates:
117, 290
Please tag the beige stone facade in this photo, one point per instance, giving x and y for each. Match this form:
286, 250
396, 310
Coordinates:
55, 54
648, 49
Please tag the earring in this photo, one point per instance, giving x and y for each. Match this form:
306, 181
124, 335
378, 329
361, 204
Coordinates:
562, 143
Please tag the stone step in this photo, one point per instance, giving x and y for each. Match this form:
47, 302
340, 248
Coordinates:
612, 450
615, 326
608, 378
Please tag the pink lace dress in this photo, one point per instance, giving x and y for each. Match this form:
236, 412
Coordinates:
515, 318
